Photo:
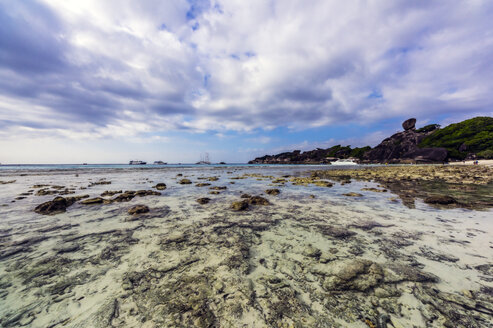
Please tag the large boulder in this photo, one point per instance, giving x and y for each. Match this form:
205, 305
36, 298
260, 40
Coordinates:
402, 147
409, 124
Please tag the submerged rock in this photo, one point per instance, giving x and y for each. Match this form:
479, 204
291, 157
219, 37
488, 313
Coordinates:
241, 205
272, 191
353, 194
203, 200
358, 274
218, 188
202, 184
185, 181
138, 209
258, 200
110, 193
441, 200
91, 201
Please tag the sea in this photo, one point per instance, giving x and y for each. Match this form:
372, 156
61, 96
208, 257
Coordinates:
234, 245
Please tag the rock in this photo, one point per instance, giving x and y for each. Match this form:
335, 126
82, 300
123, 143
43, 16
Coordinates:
311, 251
218, 188
272, 191
185, 181
336, 232
55, 206
427, 155
353, 194
138, 209
441, 200
402, 147
409, 124
374, 189
359, 275
241, 205
110, 193
202, 184
203, 200
258, 200
214, 192
125, 197
245, 196
91, 201
322, 183
160, 186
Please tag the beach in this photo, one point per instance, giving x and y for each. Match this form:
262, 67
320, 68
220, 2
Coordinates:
247, 246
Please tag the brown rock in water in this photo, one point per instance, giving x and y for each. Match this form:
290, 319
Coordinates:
125, 197
160, 186
353, 194
90, 201
202, 184
185, 181
111, 193
245, 196
241, 205
441, 200
409, 124
272, 191
258, 200
142, 193
218, 188
203, 200
214, 192
57, 205
138, 209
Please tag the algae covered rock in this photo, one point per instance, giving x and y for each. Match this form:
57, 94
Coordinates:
272, 191
91, 201
353, 194
203, 200
241, 205
358, 274
440, 200
57, 205
185, 181
258, 200
160, 186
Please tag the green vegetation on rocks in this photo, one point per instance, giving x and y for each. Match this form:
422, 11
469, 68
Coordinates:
470, 136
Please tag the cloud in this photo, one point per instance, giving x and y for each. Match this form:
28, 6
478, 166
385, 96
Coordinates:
103, 68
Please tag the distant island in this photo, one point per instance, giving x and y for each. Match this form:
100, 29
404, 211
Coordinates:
469, 139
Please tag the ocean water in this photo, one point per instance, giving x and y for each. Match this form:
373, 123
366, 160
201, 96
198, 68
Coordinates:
312, 257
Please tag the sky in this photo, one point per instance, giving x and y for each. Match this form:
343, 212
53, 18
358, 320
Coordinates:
112, 81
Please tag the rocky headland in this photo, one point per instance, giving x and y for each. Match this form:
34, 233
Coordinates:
470, 139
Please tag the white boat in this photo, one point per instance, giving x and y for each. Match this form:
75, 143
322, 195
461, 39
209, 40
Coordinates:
137, 163
342, 162
204, 159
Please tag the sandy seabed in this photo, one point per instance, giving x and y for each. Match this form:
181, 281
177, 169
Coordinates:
312, 257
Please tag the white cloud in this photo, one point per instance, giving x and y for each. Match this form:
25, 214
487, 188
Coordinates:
113, 68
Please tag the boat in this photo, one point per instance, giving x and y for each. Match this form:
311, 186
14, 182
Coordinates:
84, 163
160, 163
204, 159
341, 162
137, 163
